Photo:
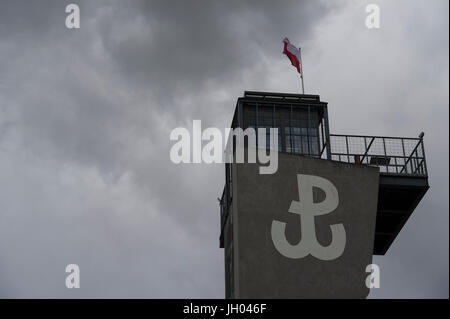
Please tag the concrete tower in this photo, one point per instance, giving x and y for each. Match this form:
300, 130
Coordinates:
310, 229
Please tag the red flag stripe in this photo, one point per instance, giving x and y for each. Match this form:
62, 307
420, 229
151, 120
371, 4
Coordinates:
292, 53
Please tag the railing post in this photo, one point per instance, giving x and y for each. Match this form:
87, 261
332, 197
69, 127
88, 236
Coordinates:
324, 144
348, 152
365, 149
404, 157
409, 161
424, 162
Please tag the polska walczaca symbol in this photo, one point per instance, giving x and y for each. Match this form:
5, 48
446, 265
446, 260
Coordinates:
308, 210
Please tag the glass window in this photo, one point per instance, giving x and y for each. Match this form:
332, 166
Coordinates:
314, 145
298, 130
297, 144
287, 134
252, 137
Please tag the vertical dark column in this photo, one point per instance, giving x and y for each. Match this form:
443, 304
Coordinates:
327, 132
240, 115
323, 141
424, 161
256, 123
290, 131
307, 130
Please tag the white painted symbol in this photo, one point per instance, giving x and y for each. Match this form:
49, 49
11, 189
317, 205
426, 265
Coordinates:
307, 210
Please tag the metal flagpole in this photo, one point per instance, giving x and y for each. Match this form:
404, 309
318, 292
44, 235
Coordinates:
301, 69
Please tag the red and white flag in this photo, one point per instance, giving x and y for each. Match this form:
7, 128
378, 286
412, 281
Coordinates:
292, 53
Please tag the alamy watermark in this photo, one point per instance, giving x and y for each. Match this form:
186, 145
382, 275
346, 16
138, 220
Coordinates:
373, 19
373, 279
230, 148
73, 278
73, 17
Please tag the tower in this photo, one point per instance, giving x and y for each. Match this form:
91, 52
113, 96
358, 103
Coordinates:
378, 181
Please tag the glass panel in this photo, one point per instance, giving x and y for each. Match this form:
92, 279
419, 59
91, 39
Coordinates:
287, 134
305, 145
313, 132
297, 144
249, 115
280, 145
252, 138
314, 145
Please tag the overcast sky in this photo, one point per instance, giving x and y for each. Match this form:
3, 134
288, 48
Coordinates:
85, 118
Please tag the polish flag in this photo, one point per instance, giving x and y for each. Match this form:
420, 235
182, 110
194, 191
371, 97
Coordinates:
292, 53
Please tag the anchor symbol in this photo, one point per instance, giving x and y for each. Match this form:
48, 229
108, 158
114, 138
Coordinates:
308, 210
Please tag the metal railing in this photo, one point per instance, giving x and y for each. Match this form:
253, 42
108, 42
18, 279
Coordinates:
393, 155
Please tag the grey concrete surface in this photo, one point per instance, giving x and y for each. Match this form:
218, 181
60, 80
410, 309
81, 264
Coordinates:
261, 271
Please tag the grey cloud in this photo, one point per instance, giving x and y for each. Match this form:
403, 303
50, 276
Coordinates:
85, 117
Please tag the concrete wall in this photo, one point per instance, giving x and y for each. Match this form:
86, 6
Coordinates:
261, 271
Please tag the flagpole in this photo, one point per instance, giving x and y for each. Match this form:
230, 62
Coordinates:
301, 69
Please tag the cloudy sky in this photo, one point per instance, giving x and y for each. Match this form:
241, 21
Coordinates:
85, 119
